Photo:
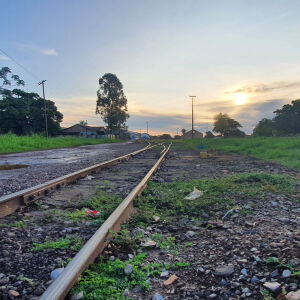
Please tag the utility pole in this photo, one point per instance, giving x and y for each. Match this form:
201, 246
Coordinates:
86, 128
192, 115
147, 126
45, 111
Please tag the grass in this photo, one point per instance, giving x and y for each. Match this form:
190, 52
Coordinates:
10, 143
107, 279
167, 199
283, 150
62, 243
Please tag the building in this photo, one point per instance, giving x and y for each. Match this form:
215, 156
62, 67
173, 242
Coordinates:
188, 135
86, 131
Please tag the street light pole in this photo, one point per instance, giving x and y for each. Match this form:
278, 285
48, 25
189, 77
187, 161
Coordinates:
147, 126
45, 111
192, 115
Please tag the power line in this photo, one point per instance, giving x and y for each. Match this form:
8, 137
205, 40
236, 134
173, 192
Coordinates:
30, 73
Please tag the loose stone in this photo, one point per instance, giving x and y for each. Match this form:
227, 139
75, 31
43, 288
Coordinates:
224, 270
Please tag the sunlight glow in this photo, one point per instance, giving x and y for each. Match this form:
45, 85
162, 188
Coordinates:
239, 99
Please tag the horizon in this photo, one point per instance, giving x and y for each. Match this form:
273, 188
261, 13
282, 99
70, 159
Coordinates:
237, 58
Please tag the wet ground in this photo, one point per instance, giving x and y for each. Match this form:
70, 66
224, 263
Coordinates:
49, 164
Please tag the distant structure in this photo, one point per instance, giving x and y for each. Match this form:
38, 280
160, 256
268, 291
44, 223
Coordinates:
188, 135
86, 131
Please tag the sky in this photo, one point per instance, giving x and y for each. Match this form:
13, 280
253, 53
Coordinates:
236, 56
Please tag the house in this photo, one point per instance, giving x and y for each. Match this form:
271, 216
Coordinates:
87, 131
196, 135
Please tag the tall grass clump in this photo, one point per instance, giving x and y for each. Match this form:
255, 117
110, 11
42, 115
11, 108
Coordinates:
10, 143
283, 150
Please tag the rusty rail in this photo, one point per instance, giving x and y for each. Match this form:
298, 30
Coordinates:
97, 243
10, 203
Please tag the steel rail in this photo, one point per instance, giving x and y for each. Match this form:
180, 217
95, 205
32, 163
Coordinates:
11, 202
97, 243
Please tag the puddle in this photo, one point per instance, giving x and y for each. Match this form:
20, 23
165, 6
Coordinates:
12, 167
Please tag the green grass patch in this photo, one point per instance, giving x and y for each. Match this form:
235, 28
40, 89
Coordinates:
107, 279
19, 224
283, 150
167, 199
62, 243
10, 143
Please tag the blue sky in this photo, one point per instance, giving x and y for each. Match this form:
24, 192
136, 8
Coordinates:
224, 52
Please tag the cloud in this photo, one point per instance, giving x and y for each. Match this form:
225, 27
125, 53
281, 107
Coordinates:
38, 49
2, 57
264, 88
51, 51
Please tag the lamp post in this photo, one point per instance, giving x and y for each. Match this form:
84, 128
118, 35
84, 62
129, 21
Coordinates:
192, 115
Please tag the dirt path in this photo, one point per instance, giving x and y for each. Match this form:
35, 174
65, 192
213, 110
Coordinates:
226, 248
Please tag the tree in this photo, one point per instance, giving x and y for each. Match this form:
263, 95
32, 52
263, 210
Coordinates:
227, 126
165, 136
183, 131
112, 103
265, 127
209, 135
82, 123
5, 81
287, 119
23, 113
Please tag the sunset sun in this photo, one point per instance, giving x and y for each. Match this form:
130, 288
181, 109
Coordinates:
239, 99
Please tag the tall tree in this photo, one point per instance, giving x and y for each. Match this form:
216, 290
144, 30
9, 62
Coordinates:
287, 119
183, 130
112, 103
265, 127
23, 113
82, 122
227, 126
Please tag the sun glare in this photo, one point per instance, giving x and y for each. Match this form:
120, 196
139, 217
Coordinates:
240, 99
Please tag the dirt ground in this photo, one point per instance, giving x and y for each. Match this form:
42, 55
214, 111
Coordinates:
239, 245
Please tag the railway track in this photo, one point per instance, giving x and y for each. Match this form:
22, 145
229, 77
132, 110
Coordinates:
10, 203
22, 263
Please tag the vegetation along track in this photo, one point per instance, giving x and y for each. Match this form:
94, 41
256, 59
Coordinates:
46, 234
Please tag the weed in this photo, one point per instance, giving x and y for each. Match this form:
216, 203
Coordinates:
164, 243
19, 224
127, 241
188, 244
26, 279
62, 243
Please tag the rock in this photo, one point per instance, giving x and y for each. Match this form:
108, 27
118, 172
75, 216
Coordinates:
170, 280
293, 295
245, 290
156, 218
164, 274
157, 297
275, 274
128, 269
244, 271
149, 244
190, 234
112, 258
272, 286
242, 261
13, 293
254, 280
224, 270
274, 203
126, 293
293, 286
55, 273
78, 296
212, 296
38, 291
286, 273
131, 256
